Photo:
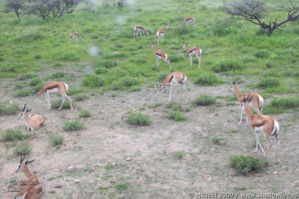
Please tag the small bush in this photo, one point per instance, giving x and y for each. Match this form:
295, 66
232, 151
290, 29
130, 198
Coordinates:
74, 91
73, 126
127, 82
35, 81
227, 65
81, 97
122, 187
269, 82
290, 102
162, 76
85, 113
261, 54
23, 148
135, 89
218, 141
27, 76
56, 104
99, 71
13, 135
56, 140
93, 81
57, 75
178, 154
22, 93
9, 109
246, 164
204, 100
176, 116
207, 79
139, 119
174, 106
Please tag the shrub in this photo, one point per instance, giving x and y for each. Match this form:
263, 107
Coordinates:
218, 141
35, 81
290, 102
81, 97
73, 126
57, 75
23, 148
127, 81
227, 65
139, 119
246, 164
178, 154
93, 81
27, 76
13, 135
162, 76
10, 109
174, 106
85, 113
261, 53
99, 71
269, 82
122, 187
56, 140
74, 91
22, 93
176, 116
56, 104
207, 79
204, 100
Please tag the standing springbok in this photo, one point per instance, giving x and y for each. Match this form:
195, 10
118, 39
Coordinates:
173, 79
190, 20
160, 55
75, 36
193, 51
140, 29
31, 188
54, 87
160, 33
262, 123
33, 121
255, 100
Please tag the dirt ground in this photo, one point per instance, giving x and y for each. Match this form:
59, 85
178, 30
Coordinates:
141, 161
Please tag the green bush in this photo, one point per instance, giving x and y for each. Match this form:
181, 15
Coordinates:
74, 91
207, 79
227, 65
73, 126
139, 119
246, 164
128, 81
261, 53
56, 104
204, 100
218, 141
290, 102
9, 109
22, 148
27, 76
85, 113
93, 81
176, 116
22, 93
13, 135
178, 154
81, 97
162, 76
57, 75
269, 82
35, 81
56, 140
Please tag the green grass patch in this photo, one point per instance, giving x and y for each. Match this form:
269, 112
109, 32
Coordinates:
72, 126
14, 135
208, 79
9, 109
281, 105
178, 154
269, 82
228, 65
22, 148
204, 100
176, 115
121, 188
81, 97
35, 81
218, 141
85, 113
22, 93
247, 164
56, 104
139, 119
56, 140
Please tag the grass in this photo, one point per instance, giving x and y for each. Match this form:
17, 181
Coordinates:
14, 135
9, 109
247, 164
22, 148
281, 105
56, 140
72, 126
176, 115
56, 104
208, 79
228, 65
85, 113
81, 97
269, 82
139, 119
204, 100
218, 141
178, 154
22, 93
121, 188
35, 81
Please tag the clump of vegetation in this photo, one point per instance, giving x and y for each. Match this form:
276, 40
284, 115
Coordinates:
14, 135
106, 64
93, 81
161, 76
85, 113
218, 141
74, 91
122, 187
56, 140
247, 164
109, 167
22, 93
9, 109
56, 104
27, 76
73, 126
22, 148
57, 75
35, 81
81, 97
176, 116
269, 82
204, 100
139, 119
290, 102
208, 79
227, 65
178, 154
261, 53
128, 82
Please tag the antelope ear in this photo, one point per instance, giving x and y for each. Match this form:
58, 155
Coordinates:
29, 161
29, 110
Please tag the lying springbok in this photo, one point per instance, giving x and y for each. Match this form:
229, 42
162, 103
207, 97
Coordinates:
193, 51
33, 121
262, 123
140, 29
55, 87
31, 188
160, 33
75, 36
255, 100
160, 55
174, 79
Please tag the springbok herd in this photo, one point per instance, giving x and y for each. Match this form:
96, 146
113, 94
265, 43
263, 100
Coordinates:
32, 189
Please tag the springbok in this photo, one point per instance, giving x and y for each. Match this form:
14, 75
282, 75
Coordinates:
255, 100
160, 33
160, 55
55, 87
75, 36
262, 123
190, 20
193, 51
31, 188
33, 121
140, 29
171, 80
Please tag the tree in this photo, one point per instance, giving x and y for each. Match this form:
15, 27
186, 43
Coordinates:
255, 10
15, 5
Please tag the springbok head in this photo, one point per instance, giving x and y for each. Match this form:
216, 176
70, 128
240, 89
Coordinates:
24, 111
159, 88
233, 85
23, 164
185, 45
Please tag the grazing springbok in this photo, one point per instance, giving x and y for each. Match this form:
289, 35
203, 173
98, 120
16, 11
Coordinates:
193, 51
75, 36
174, 79
255, 100
140, 29
33, 121
160, 33
55, 87
30, 188
160, 55
190, 20
262, 123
